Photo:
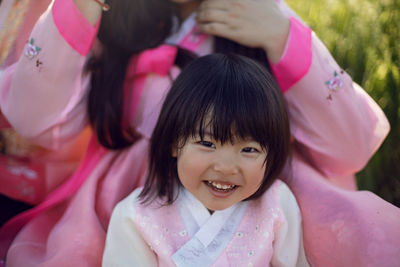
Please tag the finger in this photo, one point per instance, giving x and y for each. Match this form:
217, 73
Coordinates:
213, 15
214, 4
218, 29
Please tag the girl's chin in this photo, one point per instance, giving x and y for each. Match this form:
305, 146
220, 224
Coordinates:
214, 207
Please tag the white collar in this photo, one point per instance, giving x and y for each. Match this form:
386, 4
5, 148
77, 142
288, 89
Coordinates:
183, 30
207, 225
209, 233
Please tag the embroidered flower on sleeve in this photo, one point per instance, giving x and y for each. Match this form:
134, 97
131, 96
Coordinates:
335, 83
31, 50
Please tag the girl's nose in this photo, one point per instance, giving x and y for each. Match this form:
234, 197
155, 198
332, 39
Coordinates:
226, 165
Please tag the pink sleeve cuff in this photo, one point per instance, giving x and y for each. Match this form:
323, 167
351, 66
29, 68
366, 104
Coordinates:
73, 26
297, 57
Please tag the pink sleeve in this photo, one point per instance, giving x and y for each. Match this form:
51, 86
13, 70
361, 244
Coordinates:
296, 58
336, 123
43, 95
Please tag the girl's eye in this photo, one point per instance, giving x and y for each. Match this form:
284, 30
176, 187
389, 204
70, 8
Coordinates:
250, 150
206, 144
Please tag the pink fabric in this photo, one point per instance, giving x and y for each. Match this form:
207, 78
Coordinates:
73, 26
3, 122
21, 179
158, 230
10, 229
158, 60
46, 106
297, 56
335, 137
164, 231
344, 228
36, 8
161, 58
30, 179
193, 40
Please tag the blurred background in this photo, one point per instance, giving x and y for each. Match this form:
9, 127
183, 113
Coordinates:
364, 38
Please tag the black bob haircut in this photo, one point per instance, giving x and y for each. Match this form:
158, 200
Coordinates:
233, 97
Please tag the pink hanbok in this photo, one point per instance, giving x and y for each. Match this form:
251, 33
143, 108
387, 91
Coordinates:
262, 232
32, 176
336, 126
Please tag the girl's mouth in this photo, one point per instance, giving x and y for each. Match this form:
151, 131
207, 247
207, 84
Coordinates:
220, 187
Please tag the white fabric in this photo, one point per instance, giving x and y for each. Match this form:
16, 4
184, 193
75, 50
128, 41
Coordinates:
185, 28
288, 247
212, 233
125, 245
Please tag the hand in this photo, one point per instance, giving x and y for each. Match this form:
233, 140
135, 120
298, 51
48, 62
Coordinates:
253, 23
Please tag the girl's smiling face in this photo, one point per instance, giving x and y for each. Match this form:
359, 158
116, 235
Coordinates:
220, 175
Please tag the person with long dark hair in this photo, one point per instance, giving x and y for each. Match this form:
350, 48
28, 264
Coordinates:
73, 88
67, 79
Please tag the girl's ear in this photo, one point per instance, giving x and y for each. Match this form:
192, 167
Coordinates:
174, 151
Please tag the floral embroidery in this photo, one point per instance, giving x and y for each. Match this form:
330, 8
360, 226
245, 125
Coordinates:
334, 84
31, 50
239, 234
183, 233
38, 63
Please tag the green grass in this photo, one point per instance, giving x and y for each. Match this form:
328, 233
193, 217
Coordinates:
364, 38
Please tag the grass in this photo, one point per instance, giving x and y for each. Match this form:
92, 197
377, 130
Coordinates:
364, 38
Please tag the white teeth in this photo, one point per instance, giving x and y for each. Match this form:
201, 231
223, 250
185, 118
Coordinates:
220, 186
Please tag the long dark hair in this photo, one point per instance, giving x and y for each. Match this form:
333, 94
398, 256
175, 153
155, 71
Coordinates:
231, 95
128, 28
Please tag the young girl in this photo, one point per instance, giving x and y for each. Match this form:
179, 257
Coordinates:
66, 81
212, 196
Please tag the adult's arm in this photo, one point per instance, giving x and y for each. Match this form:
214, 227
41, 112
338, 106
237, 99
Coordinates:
44, 95
336, 124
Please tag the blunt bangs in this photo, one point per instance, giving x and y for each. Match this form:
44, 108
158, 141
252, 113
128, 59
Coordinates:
228, 102
229, 97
